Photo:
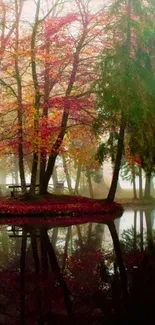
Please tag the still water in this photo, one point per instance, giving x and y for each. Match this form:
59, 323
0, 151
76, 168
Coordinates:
74, 274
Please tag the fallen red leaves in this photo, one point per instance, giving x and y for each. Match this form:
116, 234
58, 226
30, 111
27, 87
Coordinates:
60, 209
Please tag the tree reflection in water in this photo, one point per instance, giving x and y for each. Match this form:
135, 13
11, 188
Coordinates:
43, 261
81, 283
138, 249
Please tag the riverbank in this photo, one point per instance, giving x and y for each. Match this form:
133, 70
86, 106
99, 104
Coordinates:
138, 203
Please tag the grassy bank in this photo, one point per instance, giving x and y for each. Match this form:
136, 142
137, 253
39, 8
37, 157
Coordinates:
128, 202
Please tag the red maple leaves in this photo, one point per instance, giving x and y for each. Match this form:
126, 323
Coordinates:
59, 211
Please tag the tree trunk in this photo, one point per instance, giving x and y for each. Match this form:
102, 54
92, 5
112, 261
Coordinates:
102, 182
47, 175
19, 108
3, 171
89, 183
68, 178
36, 98
34, 173
147, 191
140, 183
152, 185
77, 179
54, 177
134, 181
16, 169
47, 89
120, 148
120, 145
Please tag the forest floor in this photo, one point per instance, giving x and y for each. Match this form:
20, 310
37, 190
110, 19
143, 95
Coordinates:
59, 209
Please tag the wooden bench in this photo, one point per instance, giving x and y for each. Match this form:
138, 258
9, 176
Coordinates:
17, 188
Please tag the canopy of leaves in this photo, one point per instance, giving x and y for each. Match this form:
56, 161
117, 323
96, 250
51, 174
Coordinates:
126, 82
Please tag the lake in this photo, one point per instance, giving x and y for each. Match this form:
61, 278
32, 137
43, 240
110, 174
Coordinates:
50, 275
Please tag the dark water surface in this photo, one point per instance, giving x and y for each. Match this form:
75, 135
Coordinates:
81, 274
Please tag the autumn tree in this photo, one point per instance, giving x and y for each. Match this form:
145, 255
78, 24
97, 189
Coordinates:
78, 82
79, 152
10, 13
48, 73
8, 25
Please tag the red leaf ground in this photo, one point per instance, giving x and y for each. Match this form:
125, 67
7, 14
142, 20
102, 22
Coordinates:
58, 209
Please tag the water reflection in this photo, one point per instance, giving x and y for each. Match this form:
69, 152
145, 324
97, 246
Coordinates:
136, 228
76, 274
